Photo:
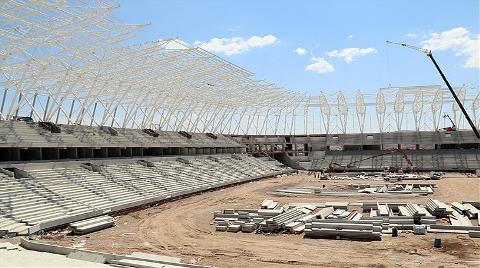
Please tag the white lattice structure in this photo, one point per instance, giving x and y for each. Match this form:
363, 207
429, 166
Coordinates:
65, 61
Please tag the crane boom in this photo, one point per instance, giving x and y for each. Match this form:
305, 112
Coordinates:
429, 54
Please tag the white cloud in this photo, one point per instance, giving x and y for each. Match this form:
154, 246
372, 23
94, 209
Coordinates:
300, 51
411, 35
348, 54
459, 40
236, 45
350, 36
320, 65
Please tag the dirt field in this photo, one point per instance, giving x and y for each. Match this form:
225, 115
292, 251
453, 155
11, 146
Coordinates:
184, 228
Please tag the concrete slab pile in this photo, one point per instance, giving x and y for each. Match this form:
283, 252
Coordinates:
457, 229
383, 176
355, 230
438, 208
285, 221
92, 225
341, 219
467, 209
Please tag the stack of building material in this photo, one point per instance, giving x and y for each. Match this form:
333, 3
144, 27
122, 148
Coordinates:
298, 225
383, 210
339, 214
337, 205
279, 222
457, 229
421, 214
234, 228
357, 230
458, 219
92, 224
439, 209
399, 222
368, 206
333, 219
297, 191
245, 220
471, 211
269, 204
324, 212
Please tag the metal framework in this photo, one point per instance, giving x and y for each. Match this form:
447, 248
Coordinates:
65, 61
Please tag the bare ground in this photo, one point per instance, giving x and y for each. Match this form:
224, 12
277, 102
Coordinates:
184, 228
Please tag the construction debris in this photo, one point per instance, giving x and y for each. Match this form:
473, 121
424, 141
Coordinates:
357, 221
386, 176
377, 190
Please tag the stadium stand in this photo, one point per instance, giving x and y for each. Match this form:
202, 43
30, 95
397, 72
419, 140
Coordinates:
21, 141
422, 160
36, 197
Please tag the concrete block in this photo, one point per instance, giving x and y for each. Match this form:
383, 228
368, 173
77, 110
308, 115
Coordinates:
87, 256
155, 257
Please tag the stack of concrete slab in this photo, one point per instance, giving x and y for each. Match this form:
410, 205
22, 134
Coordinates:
401, 216
458, 219
341, 220
271, 217
439, 209
457, 229
356, 230
466, 209
471, 211
419, 213
283, 221
268, 204
233, 220
419, 189
92, 225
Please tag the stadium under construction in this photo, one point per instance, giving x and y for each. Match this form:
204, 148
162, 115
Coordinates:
92, 129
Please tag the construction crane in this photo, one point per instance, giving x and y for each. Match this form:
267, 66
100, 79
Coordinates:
429, 54
338, 167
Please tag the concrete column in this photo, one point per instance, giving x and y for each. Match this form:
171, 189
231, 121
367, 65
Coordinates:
31, 154
126, 152
137, 151
85, 152
114, 152
100, 152
68, 153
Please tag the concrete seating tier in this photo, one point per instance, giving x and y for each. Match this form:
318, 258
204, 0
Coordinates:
20, 134
50, 197
444, 159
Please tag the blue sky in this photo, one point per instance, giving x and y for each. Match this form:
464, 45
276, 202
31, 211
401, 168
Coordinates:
324, 29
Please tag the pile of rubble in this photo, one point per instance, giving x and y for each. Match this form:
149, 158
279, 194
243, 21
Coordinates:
359, 221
